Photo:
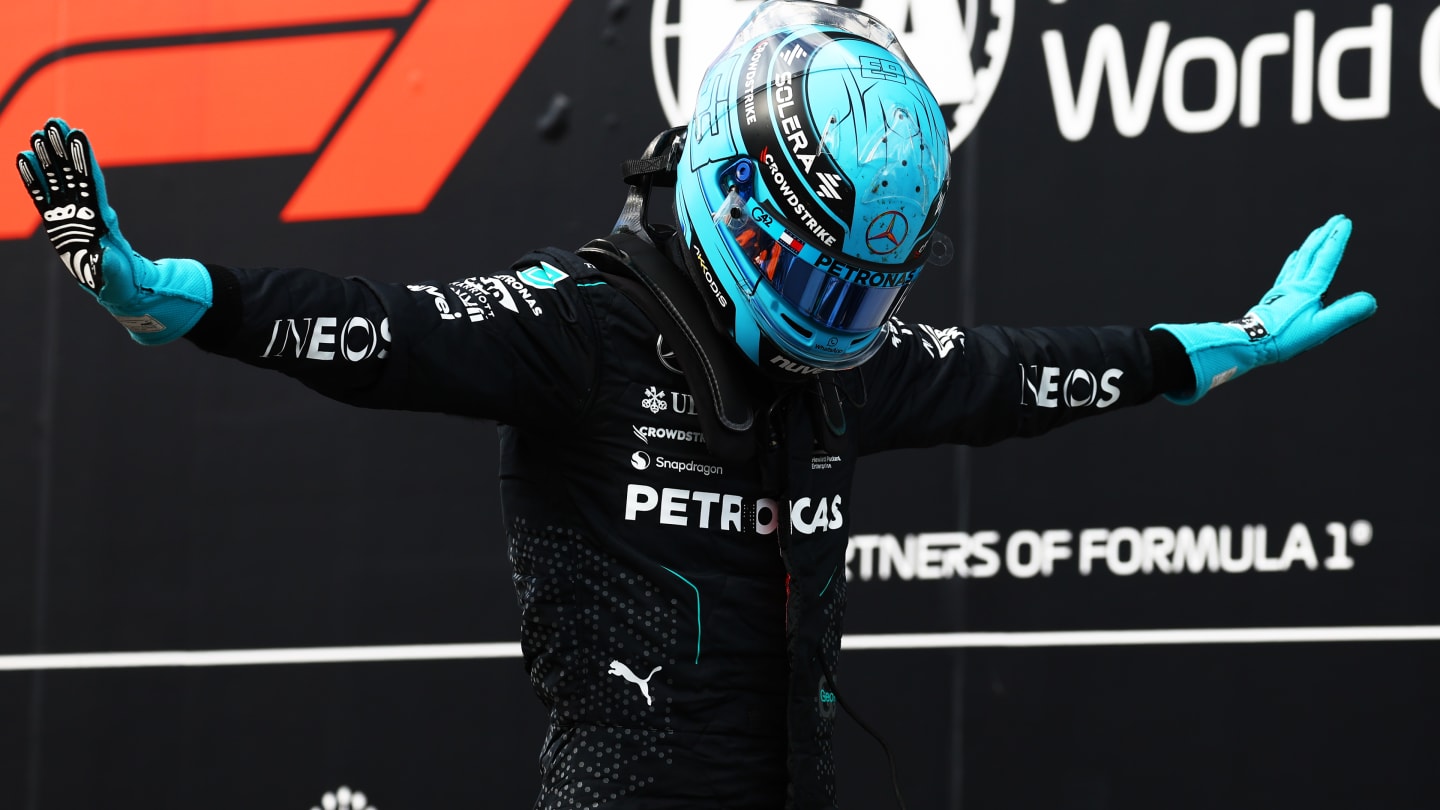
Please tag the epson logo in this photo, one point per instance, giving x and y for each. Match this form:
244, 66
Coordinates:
319, 339
714, 510
1043, 386
1237, 81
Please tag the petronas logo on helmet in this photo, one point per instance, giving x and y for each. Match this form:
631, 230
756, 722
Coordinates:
958, 46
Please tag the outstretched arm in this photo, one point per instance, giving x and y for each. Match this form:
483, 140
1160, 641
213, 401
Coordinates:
982, 385
1291, 318
516, 347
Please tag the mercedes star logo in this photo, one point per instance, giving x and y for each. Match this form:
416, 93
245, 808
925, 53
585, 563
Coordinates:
886, 232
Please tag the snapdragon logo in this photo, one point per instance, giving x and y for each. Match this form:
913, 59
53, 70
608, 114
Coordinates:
959, 46
662, 463
641, 460
1164, 67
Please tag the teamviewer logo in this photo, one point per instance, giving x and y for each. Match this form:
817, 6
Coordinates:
222, 81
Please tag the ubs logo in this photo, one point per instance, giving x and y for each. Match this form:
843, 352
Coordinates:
959, 46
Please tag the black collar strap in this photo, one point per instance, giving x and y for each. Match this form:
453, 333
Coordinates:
711, 363
655, 167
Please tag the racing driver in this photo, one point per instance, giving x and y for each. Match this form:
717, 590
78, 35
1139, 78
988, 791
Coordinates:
683, 661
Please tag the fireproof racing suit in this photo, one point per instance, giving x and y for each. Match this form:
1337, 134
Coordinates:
684, 662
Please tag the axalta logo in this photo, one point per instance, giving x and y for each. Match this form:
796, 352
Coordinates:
959, 46
715, 510
353, 82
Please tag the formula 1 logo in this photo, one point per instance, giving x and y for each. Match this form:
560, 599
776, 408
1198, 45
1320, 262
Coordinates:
959, 46
175, 81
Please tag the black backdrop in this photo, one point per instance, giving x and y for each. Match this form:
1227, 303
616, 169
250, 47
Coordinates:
161, 499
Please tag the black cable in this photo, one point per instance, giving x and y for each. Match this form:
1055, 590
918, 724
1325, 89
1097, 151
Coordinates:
889, 757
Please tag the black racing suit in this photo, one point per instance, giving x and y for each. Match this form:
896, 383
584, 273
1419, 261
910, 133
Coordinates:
684, 662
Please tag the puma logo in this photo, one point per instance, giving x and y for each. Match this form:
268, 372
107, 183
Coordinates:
617, 668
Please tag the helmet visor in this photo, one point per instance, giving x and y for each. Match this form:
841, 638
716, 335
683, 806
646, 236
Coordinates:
829, 293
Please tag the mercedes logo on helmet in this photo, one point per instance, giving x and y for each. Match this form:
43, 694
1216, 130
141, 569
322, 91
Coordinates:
887, 232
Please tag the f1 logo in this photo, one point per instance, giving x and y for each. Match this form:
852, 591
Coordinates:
173, 81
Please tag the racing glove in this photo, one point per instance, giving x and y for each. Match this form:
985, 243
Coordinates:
158, 301
1291, 318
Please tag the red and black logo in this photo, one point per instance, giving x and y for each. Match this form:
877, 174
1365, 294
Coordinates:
173, 81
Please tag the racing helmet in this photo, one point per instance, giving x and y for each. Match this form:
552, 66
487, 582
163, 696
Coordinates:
812, 176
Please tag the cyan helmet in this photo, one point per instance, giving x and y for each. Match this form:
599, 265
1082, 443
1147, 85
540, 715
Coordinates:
812, 177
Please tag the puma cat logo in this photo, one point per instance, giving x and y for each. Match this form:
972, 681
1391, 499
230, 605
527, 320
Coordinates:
617, 668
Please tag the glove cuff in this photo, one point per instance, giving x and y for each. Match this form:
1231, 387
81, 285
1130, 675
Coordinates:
170, 297
1219, 352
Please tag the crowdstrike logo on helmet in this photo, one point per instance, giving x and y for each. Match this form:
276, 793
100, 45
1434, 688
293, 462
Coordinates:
958, 46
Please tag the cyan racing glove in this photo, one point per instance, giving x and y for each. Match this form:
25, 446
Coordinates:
158, 301
1290, 319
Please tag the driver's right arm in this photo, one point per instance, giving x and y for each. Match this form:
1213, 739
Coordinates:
496, 347
517, 347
